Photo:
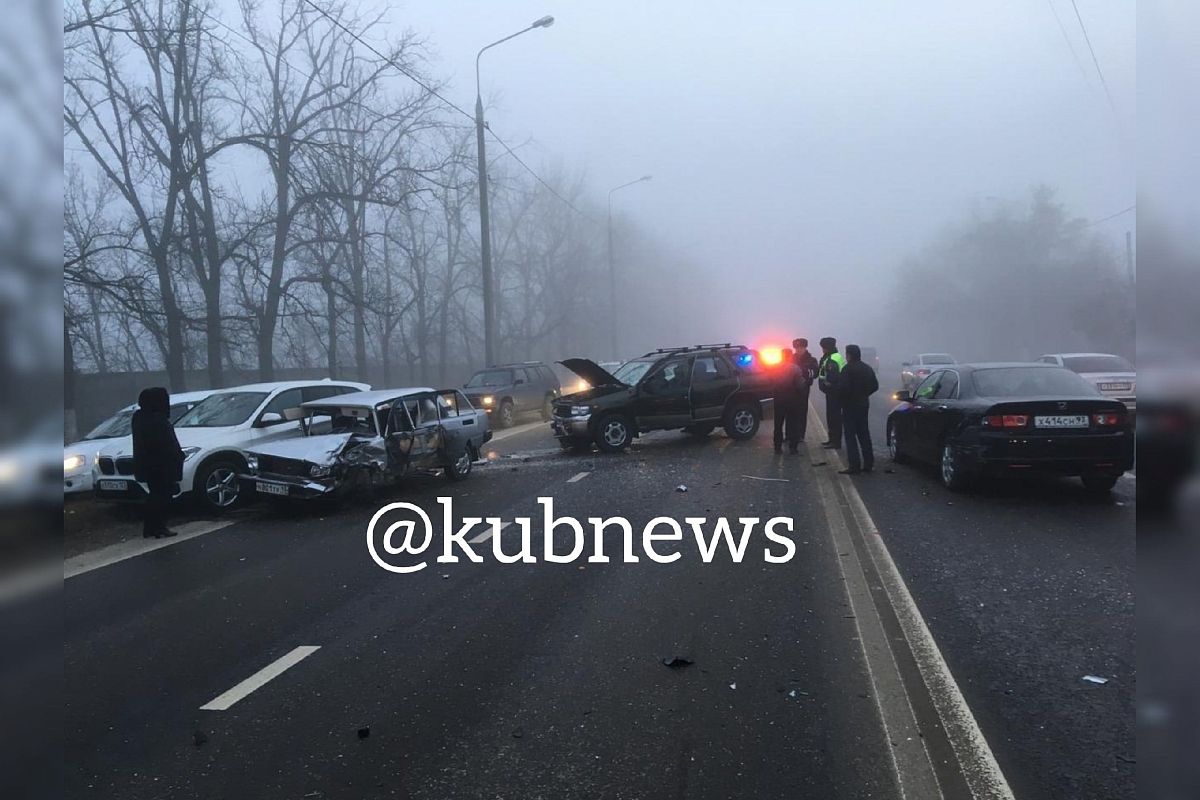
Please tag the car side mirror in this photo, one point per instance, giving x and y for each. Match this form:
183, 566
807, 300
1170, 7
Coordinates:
270, 418
902, 396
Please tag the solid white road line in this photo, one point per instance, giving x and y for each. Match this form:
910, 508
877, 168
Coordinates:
222, 702
577, 477
487, 534
514, 430
107, 556
975, 757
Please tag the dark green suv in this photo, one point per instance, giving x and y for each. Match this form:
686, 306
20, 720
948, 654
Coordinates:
506, 390
694, 389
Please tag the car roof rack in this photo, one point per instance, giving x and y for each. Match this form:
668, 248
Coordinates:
695, 347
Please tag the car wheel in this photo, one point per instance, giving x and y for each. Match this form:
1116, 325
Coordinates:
954, 475
217, 486
898, 455
460, 468
1099, 482
613, 433
741, 422
505, 415
548, 408
699, 431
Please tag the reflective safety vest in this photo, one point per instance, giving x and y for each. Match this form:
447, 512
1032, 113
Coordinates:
836, 358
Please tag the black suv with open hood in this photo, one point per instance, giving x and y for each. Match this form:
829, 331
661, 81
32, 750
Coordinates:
694, 389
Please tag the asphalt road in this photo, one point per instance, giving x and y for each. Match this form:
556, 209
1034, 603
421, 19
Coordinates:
811, 678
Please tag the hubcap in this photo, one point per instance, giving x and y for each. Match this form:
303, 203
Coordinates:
615, 433
222, 487
743, 421
463, 465
506, 414
947, 465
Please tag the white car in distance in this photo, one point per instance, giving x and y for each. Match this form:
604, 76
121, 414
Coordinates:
213, 435
80, 457
1113, 376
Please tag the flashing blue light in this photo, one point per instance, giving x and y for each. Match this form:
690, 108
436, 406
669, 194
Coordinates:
745, 359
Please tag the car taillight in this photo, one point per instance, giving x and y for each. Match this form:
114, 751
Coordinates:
1108, 419
923, 373
1006, 421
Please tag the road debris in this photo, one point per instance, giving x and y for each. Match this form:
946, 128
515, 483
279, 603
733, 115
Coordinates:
820, 463
364, 732
778, 480
681, 488
677, 662
733, 686
1095, 679
199, 738
518, 733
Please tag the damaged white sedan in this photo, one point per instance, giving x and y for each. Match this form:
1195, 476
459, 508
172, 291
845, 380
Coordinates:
357, 442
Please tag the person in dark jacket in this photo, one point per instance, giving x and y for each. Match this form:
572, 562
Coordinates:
855, 386
157, 458
808, 369
789, 412
828, 370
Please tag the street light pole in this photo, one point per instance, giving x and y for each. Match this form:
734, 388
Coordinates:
485, 227
612, 270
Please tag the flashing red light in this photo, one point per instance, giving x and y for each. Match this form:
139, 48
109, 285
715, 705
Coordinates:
771, 356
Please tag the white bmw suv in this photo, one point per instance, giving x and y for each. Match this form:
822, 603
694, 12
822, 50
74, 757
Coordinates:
213, 434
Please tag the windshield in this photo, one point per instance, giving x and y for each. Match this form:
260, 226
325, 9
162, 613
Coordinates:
1031, 382
490, 377
333, 419
118, 424
1097, 364
222, 410
937, 358
632, 371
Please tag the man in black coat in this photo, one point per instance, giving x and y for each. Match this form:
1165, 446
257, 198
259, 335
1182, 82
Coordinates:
855, 386
157, 458
788, 411
808, 369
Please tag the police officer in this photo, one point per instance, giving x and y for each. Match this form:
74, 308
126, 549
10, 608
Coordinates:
828, 370
789, 412
808, 369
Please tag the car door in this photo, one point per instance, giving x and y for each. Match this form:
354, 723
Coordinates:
713, 381
271, 423
919, 419
399, 435
427, 431
663, 399
460, 423
943, 411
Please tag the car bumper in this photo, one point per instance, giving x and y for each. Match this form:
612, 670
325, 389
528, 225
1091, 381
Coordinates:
1070, 455
123, 489
74, 484
285, 487
577, 427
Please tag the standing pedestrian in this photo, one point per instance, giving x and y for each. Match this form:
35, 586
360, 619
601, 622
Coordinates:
828, 371
855, 386
789, 413
157, 458
808, 369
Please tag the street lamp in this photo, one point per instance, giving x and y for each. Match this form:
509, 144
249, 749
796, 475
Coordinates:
612, 270
485, 233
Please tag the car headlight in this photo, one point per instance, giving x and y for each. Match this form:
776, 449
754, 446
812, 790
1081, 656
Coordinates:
487, 401
188, 452
580, 411
72, 463
318, 471
251, 462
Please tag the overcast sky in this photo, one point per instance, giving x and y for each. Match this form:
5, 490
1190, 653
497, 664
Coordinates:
799, 138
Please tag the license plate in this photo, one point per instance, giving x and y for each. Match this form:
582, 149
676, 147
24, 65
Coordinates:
1073, 421
1115, 387
113, 486
272, 488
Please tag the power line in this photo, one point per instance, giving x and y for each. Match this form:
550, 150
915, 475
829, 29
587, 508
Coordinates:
1066, 38
1095, 60
1112, 216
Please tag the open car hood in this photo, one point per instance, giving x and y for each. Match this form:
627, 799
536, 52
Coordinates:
591, 372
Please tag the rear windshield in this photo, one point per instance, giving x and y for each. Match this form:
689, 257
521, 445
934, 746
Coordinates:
937, 358
222, 410
490, 377
1097, 364
631, 372
1031, 382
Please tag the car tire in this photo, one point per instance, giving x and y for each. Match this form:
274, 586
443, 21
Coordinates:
460, 468
893, 444
951, 470
614, 433
547, 408
1099, 482
742, 421
699, 431
217, 487
505, 414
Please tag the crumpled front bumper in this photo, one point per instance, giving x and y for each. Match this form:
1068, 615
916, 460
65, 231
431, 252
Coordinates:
285, 487
575, 427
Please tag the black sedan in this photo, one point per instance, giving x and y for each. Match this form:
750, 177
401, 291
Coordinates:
976, 420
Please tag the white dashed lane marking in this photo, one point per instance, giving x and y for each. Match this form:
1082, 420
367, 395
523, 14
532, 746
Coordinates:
223, 702
487, 534
578, 476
